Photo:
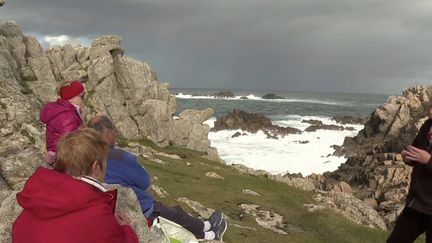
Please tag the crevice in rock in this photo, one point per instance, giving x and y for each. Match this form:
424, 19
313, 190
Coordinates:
393, 121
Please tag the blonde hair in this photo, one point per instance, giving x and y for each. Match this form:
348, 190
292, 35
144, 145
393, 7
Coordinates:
77, 151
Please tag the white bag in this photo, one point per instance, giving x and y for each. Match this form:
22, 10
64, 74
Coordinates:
173, 232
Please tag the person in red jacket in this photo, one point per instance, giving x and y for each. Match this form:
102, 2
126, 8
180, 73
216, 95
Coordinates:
63, 115
68, 204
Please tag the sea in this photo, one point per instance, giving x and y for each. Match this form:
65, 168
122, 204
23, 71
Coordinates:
305, 153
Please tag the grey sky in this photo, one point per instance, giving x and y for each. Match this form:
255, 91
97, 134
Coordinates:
371, 46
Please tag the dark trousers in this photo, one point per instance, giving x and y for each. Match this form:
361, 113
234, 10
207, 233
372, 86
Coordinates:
179, 216
410, 225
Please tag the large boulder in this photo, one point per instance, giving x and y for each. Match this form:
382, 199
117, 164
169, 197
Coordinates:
272, 96
125, 89
12, 31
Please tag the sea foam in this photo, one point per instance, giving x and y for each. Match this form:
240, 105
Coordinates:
257, 98
286, 154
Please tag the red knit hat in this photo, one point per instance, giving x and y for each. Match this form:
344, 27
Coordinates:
74, 89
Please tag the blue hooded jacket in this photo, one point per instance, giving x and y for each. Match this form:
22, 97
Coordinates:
124, 169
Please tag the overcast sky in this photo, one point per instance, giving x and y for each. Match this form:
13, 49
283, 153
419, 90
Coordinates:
355, 46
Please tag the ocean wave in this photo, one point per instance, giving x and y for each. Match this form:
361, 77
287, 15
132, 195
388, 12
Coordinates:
257, 98
304, 153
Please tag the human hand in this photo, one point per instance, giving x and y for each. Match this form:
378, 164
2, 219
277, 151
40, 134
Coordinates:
404, 154
415, 154
122, 218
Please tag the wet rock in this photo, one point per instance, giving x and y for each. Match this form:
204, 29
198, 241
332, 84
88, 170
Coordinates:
272, 96
315, 128
225, 94
237, 134
251, 122
313, 122
345, 120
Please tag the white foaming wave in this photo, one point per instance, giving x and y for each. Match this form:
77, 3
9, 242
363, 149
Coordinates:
296, 121
254, 97
285, 154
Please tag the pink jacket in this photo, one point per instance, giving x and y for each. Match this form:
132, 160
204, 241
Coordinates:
60, 117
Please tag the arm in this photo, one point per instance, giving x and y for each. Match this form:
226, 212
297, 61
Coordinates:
105, 227
136, 174
68, 124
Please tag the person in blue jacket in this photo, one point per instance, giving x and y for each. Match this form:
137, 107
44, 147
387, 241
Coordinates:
124, 169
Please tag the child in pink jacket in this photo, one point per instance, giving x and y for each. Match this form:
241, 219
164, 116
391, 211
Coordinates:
62, 116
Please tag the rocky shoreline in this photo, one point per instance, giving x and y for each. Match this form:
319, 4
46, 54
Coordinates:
374, 175
369, 188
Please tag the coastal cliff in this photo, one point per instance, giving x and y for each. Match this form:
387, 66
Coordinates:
186, 170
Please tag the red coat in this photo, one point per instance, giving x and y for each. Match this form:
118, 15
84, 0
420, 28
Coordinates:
59, 208
60, 117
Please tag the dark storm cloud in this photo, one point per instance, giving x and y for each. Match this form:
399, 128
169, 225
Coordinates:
335, 45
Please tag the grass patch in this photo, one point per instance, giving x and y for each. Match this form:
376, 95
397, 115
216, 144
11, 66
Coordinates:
184, 153
181, 180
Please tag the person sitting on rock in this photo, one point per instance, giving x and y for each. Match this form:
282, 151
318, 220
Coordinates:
123, 168
68, 204
63, 115
417, 213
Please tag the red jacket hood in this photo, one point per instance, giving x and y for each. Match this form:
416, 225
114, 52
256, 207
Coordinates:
50, 194
52, 109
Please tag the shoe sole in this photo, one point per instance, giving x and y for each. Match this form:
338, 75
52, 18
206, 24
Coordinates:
223, 232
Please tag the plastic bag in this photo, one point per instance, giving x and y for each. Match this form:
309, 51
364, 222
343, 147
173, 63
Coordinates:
173, 232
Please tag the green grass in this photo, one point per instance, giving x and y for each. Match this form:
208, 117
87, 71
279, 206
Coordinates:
181, 180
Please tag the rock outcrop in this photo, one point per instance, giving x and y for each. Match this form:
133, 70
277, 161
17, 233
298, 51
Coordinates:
350, 120
328, 194
225, 94
251, 122
374, 168
272, 96
125, 89
266, 219
332, 127
393, 125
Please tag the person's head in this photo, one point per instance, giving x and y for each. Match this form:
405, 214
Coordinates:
72, 91
83, 152
105, 127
